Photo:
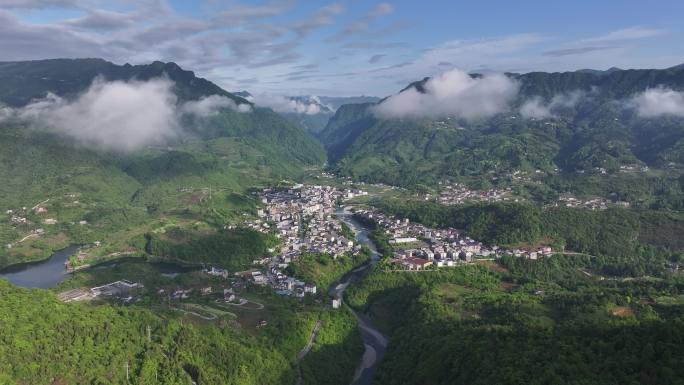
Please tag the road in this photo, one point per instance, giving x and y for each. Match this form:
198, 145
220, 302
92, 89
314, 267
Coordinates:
307, 349
309, 345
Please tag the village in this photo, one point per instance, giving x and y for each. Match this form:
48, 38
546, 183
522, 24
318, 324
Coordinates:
589, 204
454, 194
417, 247
303, 217
33, 221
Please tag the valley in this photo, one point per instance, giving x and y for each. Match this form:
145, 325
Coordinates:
247, 247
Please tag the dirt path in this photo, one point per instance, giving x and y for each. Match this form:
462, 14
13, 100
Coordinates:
27, 237
212, 317
571, 253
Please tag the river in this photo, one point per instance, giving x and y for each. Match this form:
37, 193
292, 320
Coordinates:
43, 274
374, 341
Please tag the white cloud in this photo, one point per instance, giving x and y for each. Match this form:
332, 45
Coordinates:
38, 4
657, 102
631, 33
112, 116
5, 113
472, 53
121, 116
536, 107
364, 22
453, 93
322, 17
211, 105
310, 105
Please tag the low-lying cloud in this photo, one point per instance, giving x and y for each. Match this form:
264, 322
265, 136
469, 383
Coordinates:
120, 116
537, 108
656, 102
211, 105
309, 105
453, 93
114, 116
5, 113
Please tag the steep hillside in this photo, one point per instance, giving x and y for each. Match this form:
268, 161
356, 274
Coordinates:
591, 130
311, 112
327, 106
118, 193
103, 341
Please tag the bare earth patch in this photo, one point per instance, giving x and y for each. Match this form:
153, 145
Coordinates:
491, 265
508, 286
622, 311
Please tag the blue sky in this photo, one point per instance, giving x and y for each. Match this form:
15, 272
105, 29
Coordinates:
347, 47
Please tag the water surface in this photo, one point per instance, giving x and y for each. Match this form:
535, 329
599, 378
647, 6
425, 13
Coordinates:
43, 275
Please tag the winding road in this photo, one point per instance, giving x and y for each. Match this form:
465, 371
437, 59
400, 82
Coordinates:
306, 350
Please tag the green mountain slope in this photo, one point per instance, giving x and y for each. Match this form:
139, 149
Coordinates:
48, 342
594, 134
117, 192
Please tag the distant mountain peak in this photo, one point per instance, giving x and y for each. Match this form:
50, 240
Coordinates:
243, 94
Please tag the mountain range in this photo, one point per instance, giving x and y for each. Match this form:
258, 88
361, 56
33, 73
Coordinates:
149, 163
572, 122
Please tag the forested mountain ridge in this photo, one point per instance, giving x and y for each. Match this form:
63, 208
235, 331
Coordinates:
23, 81
570, 122
615, 83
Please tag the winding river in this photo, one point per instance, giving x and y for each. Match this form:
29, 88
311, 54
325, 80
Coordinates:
374, 341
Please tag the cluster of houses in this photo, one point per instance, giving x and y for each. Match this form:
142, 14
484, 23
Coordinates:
20, 217
633, 168
594, 171
590, 204
625, 168
80, 260
303, 218
229, 291
122, 290
453, 194
417, 247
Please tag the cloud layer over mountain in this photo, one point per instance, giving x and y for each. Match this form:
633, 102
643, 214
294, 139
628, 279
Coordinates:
121, 116
539, 109
453, 93
310, 105
210, 105
656, 102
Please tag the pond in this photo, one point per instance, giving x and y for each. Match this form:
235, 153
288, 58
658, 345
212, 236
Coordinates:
43, 274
